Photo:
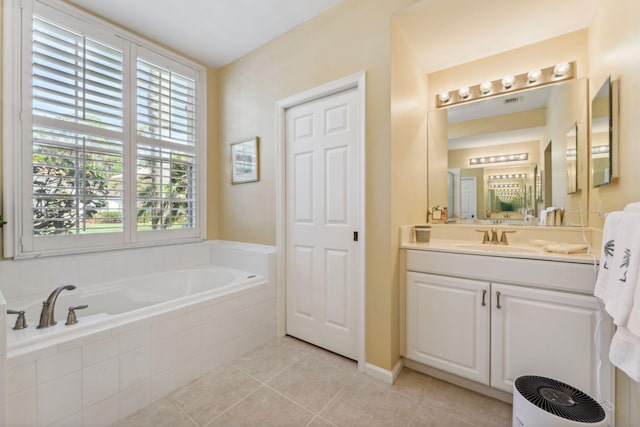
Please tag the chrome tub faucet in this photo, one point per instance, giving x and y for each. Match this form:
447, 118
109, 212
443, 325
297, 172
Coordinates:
48, 307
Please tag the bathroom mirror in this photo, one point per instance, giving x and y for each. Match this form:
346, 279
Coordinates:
470, 145
572, 156
602, 136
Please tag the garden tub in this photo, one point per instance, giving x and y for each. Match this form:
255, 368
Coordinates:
116, 303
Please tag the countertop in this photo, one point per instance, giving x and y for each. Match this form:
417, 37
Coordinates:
517, 250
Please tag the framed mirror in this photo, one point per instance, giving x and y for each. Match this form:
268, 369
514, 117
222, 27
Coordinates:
507, 136
602, 135
572, 159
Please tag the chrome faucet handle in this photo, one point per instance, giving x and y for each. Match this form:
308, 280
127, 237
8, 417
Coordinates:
71, 317
485, 237
503, 238
21, 322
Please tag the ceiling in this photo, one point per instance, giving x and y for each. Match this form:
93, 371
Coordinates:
446, 33
213, 32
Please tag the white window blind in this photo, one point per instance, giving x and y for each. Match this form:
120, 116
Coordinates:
166, 156
77, 133
110, 148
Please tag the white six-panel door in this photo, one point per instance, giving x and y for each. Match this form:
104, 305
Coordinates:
322, 210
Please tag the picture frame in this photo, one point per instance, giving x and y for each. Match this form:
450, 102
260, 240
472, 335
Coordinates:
245, 161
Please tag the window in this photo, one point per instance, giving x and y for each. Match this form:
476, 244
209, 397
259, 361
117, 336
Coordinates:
111, 137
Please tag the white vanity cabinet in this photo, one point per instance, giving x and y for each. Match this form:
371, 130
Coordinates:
448, 324
465, 317
542, 332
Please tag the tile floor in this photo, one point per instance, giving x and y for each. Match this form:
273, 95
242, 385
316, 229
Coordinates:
287, 382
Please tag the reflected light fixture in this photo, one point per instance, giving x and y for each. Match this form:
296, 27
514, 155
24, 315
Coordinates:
499, 159
504, 186
509, 176
463, 92
599, 149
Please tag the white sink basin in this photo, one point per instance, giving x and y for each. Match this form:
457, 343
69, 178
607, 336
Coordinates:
510, 249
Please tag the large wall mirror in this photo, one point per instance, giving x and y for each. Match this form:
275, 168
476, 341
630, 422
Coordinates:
503, 159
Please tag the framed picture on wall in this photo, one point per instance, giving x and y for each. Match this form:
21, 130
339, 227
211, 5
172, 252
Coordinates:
245, 161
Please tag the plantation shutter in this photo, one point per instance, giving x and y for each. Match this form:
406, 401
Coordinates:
77, 131
166, 146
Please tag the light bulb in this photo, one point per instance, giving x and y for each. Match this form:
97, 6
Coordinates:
508, 82
444, 97
561, 69
485, 87
534, 75
463, 92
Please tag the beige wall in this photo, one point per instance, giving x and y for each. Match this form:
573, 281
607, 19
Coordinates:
353, 36
408, 160
213, 177
614, 49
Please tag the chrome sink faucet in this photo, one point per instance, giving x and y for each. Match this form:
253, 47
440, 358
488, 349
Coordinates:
48, 307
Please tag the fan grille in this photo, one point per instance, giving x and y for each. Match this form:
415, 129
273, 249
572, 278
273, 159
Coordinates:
560, 399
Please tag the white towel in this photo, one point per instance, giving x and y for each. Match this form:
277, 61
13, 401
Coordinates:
632, 207
619, 264
625, 352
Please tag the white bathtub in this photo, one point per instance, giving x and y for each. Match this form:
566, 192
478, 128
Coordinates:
111, 304
140, 338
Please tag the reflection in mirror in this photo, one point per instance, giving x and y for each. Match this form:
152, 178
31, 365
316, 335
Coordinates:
487, 158
601, 135
572, 156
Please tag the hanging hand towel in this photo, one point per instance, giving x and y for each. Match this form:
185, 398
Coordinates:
625, 352
619, 264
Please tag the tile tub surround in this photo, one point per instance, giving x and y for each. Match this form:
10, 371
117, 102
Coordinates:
287, 382
99, 378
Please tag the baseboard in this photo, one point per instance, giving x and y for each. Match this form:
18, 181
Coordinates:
459, 381
385, 375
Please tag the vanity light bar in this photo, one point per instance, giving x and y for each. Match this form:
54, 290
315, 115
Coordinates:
504, 186
509, 83
509, 176
499, 159
572, 152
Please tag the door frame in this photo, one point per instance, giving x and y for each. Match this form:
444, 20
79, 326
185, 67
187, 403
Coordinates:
358, 82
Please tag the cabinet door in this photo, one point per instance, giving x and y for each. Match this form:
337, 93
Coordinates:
448, 325
547, 333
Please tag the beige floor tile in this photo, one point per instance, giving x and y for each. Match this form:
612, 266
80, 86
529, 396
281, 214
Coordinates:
366, 403
431, 417
333, 359
162, 413
320, 422
270, 359
215, 392
467, 405
264, 408
310, 382
409, 383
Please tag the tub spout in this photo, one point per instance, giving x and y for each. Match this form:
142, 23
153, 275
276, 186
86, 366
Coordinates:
48, 307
